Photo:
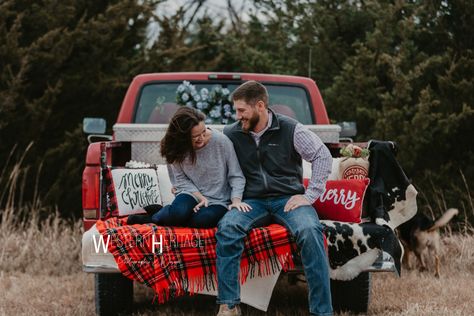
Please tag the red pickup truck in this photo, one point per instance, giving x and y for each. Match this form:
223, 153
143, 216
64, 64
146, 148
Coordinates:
149, 103
294, 96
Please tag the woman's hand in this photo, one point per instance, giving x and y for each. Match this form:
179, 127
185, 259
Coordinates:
204, 202
239, 205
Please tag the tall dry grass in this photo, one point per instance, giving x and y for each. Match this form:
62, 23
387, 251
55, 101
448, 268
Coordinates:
420, 293
33, 238
40, 269
433, 202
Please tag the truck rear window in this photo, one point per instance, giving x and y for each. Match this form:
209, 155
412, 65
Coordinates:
159, 101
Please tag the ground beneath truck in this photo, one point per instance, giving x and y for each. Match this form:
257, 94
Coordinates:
41, 274
413, 294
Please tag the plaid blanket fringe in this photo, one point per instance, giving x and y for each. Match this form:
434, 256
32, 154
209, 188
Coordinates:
186, 262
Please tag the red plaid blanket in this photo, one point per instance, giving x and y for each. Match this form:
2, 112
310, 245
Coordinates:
175, 261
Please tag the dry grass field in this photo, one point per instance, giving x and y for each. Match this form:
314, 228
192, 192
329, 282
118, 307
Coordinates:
40, 274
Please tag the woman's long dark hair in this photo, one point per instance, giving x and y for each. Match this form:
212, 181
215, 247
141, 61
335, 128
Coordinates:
177, 144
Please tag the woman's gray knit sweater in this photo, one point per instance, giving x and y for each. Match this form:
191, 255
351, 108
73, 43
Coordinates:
216, 173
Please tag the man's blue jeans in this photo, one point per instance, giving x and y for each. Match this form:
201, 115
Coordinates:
302, 222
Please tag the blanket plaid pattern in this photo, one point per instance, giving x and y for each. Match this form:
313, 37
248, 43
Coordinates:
175, 261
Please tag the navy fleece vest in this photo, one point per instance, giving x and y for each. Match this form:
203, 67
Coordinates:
274, 167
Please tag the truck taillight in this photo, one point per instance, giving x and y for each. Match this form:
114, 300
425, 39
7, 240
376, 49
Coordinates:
91, 192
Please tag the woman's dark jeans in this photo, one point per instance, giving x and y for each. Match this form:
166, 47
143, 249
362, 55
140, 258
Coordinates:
180, 213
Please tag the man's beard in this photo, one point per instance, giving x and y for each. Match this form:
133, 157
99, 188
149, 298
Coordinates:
252, 122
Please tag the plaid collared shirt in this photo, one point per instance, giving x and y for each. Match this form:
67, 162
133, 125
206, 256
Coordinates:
312, 149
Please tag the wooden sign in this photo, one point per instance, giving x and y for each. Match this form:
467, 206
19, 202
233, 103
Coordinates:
134, 189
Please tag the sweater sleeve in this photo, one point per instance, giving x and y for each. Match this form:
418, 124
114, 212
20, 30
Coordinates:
182, 182
234, 172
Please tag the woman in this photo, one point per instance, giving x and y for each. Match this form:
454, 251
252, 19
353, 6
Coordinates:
204, 171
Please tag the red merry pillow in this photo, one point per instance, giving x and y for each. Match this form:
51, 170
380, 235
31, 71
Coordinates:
342, 200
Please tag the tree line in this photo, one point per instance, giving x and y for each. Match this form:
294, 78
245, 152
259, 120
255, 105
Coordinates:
403, 70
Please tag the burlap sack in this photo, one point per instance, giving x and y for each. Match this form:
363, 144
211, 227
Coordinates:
353, 168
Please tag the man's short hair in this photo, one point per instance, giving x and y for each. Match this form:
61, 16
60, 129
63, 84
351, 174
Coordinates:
251, 92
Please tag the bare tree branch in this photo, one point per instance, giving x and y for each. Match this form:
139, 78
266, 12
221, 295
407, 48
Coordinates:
234, 17
196, 10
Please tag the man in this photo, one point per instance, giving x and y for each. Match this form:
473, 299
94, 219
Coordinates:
270, 147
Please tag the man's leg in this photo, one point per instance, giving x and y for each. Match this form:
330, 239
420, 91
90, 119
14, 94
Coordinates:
231, 231
304, 224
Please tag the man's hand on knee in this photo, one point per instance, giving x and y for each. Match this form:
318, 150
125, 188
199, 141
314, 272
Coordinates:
296, 201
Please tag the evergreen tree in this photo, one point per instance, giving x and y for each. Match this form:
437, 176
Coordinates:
410, 80
61, 61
